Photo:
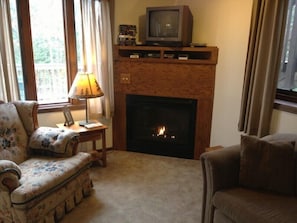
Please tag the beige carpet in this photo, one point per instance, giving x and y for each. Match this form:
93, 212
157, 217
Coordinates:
142, 188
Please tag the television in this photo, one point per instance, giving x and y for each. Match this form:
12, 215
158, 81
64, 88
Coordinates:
169, 26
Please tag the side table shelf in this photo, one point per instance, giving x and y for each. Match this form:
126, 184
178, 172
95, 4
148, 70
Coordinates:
91, 134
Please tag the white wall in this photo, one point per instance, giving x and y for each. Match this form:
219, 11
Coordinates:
283, 122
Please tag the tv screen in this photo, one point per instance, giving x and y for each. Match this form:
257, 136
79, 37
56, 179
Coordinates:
169, 26
164, 23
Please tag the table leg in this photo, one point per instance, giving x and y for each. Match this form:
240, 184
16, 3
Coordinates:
100, 158
103, 148
94, 145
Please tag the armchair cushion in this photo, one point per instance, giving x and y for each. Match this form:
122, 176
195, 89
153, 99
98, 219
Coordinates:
13, 137
260, 164
54, 140
43, 175
243, 205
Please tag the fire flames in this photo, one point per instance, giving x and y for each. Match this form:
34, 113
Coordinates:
161, 131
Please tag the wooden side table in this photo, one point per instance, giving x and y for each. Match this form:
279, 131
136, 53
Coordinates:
91, 134
213, 148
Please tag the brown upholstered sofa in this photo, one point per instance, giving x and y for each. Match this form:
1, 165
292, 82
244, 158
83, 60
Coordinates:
252, 182
41, 174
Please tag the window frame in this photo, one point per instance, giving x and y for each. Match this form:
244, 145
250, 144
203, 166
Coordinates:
23, 13
286, 100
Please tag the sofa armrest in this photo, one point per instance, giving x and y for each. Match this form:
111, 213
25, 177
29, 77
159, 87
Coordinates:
53, 142
10, 173
220, 170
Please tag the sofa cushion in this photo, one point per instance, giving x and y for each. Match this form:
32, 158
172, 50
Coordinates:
43, 175
281, 137
245, 206
220, 217
267, 165
13, 137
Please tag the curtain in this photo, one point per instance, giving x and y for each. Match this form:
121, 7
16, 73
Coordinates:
9, 90
97, 52
262, 66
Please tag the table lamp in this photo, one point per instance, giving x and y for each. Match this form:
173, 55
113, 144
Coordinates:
85, 86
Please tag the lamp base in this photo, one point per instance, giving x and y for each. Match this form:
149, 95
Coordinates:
84, 122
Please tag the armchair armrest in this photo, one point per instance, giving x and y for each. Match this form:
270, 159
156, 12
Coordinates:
220, 170
10, 173
53, 141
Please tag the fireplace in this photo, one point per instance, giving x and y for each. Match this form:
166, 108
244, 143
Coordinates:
163, 77
161, 125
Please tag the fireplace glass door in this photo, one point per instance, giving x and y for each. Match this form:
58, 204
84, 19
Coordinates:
161, 125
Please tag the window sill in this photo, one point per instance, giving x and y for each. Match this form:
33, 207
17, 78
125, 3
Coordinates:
45, 108
285, 106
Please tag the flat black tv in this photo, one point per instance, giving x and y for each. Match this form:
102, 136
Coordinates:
169, 26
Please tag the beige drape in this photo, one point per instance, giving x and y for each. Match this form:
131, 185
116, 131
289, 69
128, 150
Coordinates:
9, 90
97, 50
262, 66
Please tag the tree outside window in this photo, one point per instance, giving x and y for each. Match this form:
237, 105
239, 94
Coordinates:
53, 44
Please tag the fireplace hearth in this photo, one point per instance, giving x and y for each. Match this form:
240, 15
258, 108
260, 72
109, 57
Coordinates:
161, 125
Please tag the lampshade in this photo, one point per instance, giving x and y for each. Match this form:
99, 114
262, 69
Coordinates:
85, 86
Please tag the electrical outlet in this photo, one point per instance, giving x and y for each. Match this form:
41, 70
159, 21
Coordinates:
125, 78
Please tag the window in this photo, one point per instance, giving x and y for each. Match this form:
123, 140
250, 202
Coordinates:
17, 49
78, 34
48, 42
287, 82
45, 49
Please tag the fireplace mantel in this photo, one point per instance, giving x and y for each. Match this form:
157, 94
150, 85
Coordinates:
169, 72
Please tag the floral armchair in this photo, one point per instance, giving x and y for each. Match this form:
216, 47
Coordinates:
42, 176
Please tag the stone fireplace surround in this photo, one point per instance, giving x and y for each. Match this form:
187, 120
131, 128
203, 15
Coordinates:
193, 78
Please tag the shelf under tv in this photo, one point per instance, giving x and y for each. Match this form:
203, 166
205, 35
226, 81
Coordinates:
200, 55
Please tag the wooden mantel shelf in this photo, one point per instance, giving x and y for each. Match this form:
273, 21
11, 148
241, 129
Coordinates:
158, 71
201, 55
